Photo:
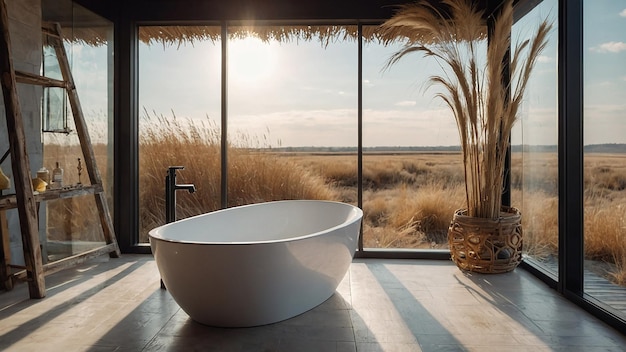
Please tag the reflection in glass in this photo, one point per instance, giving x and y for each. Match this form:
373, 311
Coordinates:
604, 146
534, 164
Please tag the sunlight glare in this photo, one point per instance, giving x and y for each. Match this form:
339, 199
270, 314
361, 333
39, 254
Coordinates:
251, 61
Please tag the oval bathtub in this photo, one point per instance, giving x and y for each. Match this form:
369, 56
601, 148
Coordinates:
257, 264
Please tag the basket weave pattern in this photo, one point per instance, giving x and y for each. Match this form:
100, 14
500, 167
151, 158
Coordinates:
486, 245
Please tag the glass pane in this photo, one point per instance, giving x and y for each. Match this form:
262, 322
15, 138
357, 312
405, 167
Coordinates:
534, 158
50, 64
73, 227
292, 121
54, 104
412, 166
54, 109
179, 102
605, 147
73, 224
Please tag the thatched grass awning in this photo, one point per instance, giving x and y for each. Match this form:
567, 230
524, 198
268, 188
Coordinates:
82, 28
189, 34
325, 34
282, 34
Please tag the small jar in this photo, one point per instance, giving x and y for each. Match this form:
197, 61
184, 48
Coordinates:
44, 175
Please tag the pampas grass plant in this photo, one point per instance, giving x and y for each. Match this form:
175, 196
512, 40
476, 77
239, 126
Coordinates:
484, 106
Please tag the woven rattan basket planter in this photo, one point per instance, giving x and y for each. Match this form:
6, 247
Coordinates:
486, 245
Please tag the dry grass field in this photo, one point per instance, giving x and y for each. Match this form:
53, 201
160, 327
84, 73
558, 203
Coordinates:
408, 198
253, 177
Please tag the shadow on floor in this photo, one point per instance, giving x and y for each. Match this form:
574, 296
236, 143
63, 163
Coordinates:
22, 316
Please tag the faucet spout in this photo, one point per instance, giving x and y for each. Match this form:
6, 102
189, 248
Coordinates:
189, 187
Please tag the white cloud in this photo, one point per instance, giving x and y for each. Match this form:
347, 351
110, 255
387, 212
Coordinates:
406, 103
545, 59
321, 127
623, 13
409, 128
337, 127
606, 109
536, 125
604, 123
610, 47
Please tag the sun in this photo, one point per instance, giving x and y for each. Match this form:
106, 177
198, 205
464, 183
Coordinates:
250, 61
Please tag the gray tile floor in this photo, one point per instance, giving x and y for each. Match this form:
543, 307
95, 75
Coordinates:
381, 305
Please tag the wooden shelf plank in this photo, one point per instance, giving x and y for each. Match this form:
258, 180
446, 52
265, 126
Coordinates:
9, 201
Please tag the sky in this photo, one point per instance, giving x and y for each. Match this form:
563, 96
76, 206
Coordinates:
302, 93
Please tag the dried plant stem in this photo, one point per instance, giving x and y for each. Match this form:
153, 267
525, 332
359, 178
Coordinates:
472, 83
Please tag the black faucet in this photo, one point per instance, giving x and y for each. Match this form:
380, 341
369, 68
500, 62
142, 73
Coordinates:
170, 192
170, 196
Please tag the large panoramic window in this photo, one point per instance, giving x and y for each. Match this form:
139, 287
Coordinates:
412, 174
604, 46
292, 114
179, 120
534, 164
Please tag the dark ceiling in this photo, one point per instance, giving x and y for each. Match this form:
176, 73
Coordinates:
261, 10
258, 10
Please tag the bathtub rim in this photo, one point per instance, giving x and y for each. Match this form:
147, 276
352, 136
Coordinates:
156, 233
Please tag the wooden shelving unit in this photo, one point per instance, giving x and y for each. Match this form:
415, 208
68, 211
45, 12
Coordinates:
25, 200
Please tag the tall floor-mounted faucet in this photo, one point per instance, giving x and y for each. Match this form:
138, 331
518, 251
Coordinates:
170, 195
170, 192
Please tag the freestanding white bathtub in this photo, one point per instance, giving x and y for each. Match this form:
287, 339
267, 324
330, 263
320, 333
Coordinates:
257, 264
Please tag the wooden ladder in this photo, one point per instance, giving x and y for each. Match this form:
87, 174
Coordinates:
24, 198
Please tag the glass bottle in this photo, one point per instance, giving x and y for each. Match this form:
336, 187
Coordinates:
57, 175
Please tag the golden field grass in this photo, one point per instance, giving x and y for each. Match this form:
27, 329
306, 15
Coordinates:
253, 177
408, 198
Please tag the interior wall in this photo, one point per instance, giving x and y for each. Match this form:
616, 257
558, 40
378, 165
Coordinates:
25, 31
